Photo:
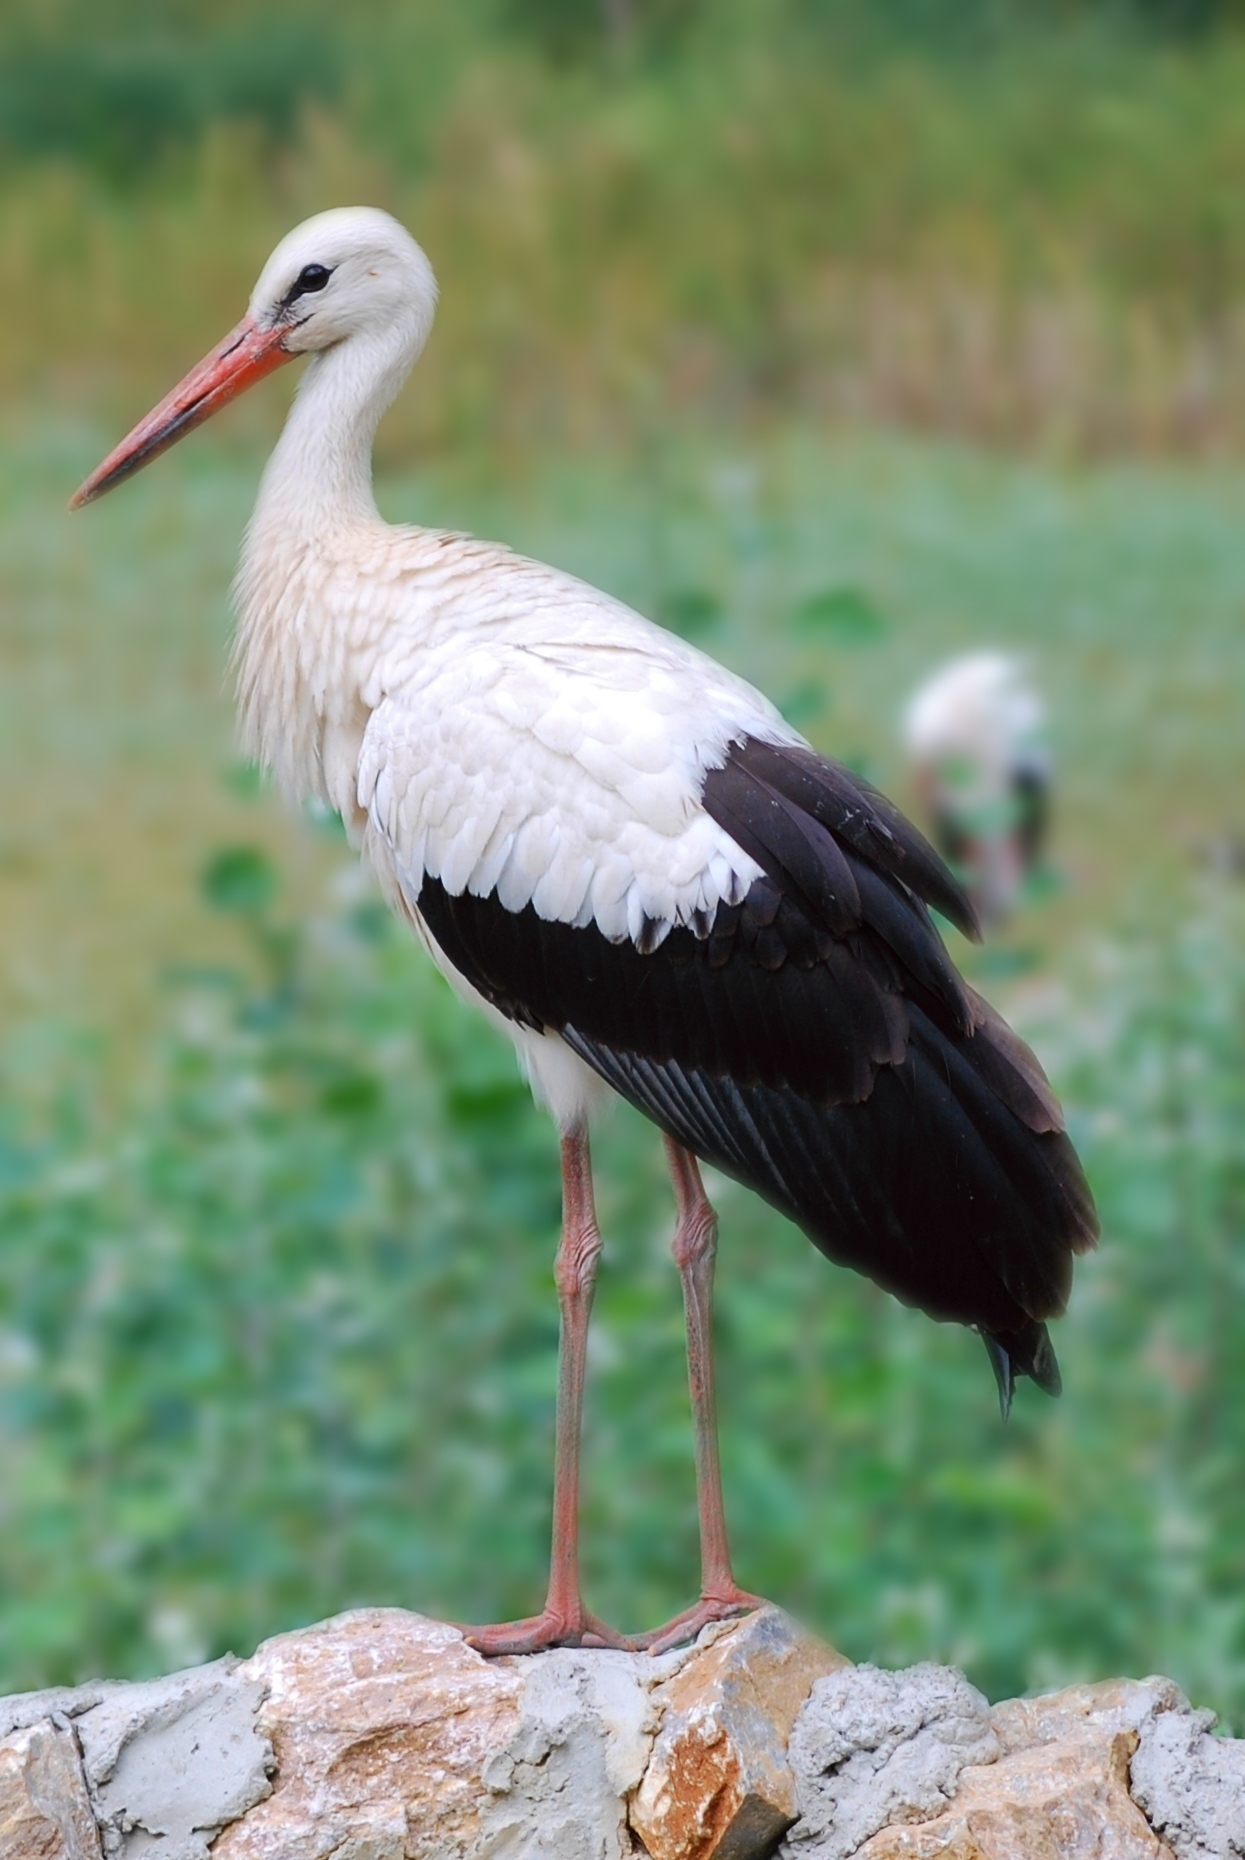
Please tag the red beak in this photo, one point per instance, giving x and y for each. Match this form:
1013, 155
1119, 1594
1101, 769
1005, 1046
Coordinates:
247, 354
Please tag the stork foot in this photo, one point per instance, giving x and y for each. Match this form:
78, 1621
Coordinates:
538, 1633
723, 1606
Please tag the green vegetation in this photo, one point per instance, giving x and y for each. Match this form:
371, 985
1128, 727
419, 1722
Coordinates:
277, 1326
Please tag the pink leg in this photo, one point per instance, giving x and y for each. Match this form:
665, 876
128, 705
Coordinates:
695, 1250
564, 1621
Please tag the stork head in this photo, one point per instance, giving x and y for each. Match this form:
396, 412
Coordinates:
981, 708
350, 274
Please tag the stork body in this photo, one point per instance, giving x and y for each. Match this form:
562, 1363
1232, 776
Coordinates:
625, 858
975, 736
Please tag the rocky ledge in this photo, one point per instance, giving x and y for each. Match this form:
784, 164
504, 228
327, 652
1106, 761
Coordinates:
381, 1736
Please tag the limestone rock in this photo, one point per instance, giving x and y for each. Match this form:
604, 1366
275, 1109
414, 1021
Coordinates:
1056, 1789
1081, 1714
44, 1810
871, 1748
382, 1724
382, 1736
718, 1785
1053, 1804
166, 1761
171, 1761
395, 1741
1190, 1784
388, 1738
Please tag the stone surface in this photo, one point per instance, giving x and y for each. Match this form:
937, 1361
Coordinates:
44, 1810
395, 1741
170, 1762
584, 1733
1057, 1788
166, 1762
1191, 1785
383, 1725
872, 1748
718, 1784
382, 1736
58, 1703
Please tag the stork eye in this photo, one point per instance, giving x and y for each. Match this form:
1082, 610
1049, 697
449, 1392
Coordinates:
310, 278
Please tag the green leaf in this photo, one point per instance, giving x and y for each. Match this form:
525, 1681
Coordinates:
241, 879
805, 704
353, 1094
845, 614
692, 610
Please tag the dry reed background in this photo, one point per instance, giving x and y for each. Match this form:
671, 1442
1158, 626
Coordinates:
1043, 243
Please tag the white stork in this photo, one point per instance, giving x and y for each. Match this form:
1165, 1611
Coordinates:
626, 859
976, 740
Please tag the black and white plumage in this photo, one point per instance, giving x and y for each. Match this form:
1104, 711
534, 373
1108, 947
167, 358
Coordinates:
624, 856
814, 1041
975, 734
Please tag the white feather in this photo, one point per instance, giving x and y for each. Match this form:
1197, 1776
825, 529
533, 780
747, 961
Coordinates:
473, 715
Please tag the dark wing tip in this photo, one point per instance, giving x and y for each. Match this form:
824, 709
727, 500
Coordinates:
1001, 1363
1027, 1352
968, 922
864, 818
927, 872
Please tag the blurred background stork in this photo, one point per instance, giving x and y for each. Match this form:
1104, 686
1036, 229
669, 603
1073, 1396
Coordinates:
842, 337
975, 736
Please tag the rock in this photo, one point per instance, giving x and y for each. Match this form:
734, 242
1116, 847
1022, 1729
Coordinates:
718, 1784
172, 1761
1085, 1714
381, 1736
390, 1739
583, 1738
383, 1725
871, 1748
1191, 1785
164, 1762
1057, 1787
396, 1741
58, 1703
44, 1810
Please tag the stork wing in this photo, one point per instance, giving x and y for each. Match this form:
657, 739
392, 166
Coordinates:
813, 1040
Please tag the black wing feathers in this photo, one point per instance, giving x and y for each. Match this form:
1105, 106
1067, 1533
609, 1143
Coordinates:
857, 814
815, 1041
797, 851
734, 1004
841, 887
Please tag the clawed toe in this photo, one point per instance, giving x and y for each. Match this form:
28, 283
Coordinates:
701, 1614
538, 1633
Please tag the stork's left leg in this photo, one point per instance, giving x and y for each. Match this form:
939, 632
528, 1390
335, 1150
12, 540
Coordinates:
564, 1621
695, 1251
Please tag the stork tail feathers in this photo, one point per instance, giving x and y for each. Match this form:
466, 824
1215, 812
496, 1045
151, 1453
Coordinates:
1025, 1352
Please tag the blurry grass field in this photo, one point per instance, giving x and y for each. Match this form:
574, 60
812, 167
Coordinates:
277, 1326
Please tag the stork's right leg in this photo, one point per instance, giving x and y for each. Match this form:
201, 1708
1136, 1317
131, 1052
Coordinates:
564, 1621
695, 1253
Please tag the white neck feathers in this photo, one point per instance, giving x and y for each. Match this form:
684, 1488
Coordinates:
319, 477
307, 632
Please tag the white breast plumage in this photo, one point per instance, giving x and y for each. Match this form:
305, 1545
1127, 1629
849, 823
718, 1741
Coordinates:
623, 855
558, 758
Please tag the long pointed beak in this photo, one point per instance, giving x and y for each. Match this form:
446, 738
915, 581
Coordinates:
247, 354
